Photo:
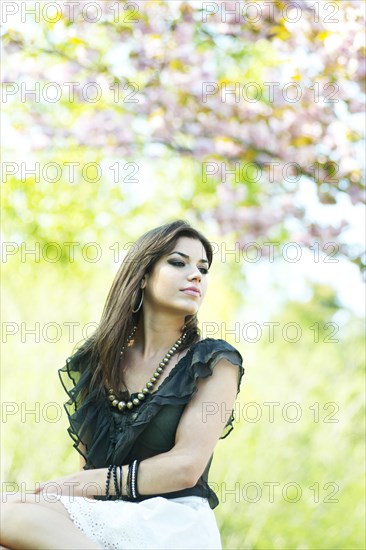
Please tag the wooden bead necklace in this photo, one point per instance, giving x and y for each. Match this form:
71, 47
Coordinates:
123, 405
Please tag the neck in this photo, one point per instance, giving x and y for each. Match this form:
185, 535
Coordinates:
155, 337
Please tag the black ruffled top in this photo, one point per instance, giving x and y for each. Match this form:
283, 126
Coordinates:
110, 437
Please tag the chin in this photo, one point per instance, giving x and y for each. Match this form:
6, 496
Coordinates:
191, 312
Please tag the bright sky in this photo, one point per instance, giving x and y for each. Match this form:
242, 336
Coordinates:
344, 276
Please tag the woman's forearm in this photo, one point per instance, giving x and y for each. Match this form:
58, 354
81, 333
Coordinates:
163, 473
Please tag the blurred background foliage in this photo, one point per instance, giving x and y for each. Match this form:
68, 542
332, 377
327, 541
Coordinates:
165, 146
151, 83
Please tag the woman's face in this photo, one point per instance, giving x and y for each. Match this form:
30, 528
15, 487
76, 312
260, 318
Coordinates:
186, 266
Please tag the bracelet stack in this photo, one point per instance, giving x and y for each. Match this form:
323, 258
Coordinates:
131, 484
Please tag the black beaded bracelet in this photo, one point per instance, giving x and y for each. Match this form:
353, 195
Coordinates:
128, 482
108, 481
120, 481
116, 487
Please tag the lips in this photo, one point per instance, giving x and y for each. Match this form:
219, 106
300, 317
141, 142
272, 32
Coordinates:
193, 291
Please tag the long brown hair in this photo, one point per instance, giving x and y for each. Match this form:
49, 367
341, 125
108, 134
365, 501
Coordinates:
117, 319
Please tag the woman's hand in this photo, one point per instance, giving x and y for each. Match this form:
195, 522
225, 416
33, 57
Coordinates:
86, 483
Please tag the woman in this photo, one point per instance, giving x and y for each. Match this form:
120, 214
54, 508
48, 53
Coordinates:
148, 401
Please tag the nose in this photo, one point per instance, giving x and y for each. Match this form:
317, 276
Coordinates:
195, 275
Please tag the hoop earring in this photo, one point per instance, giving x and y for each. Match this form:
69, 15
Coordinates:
140, 304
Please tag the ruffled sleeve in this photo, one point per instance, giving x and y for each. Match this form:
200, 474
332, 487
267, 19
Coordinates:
89, 424
180, 386
205, 357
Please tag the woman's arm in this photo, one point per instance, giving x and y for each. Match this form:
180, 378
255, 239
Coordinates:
199, 429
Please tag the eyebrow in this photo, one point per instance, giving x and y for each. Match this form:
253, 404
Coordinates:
187, 257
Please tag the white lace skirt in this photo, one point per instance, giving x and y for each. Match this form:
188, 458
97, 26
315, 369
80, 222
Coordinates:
186, 523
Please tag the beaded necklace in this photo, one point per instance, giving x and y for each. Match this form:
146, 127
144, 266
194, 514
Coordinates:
123, 405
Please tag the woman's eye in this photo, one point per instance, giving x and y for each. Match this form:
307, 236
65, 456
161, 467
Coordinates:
176, 263
202, 269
